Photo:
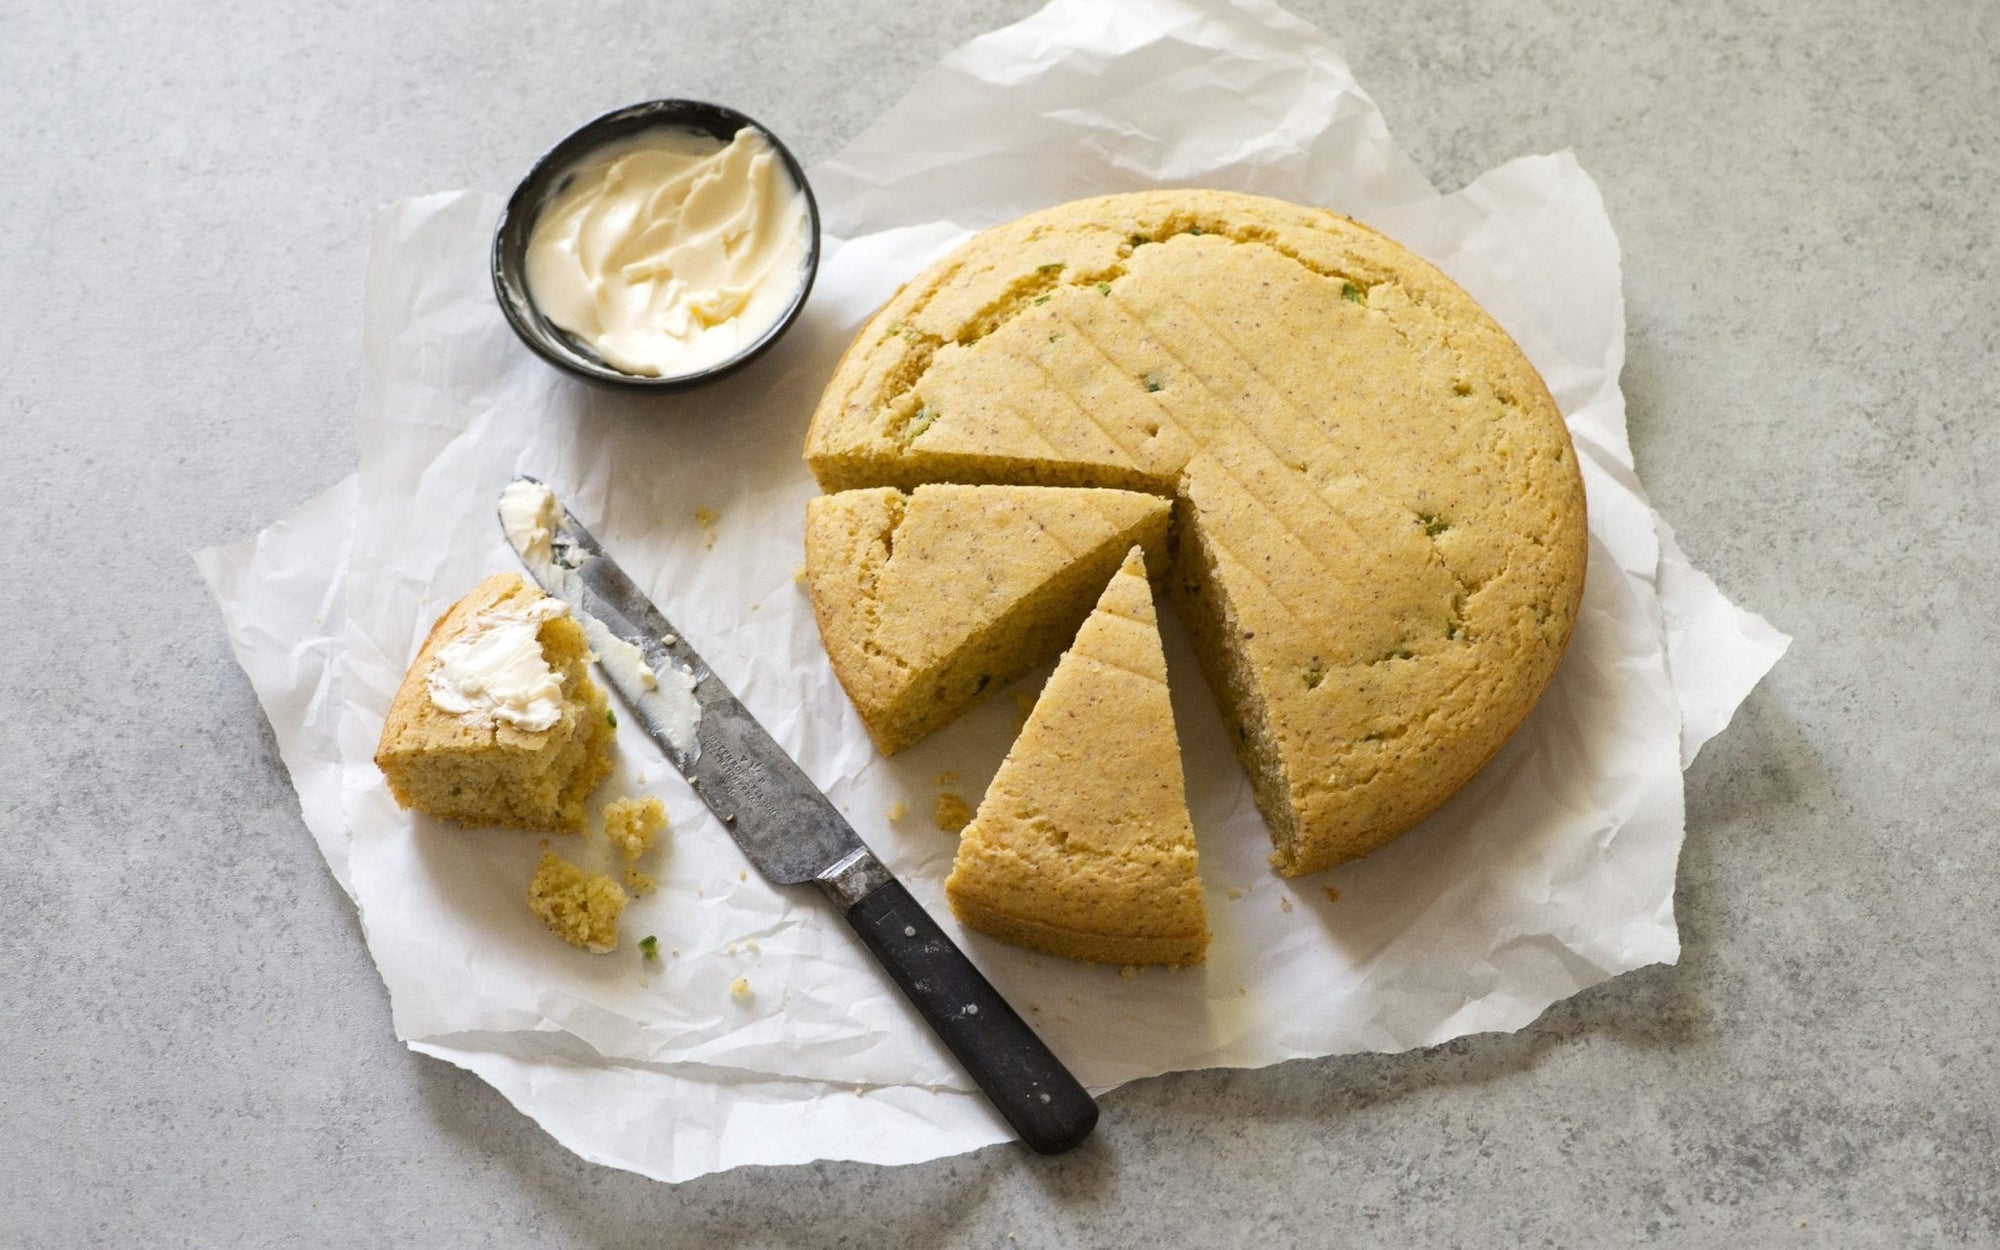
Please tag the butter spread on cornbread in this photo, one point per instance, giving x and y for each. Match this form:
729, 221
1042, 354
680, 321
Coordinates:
1379, 538
930, 601
1082, 846
495, 670
479, 768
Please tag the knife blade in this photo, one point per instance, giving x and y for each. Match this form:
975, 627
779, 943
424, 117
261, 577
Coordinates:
789, 831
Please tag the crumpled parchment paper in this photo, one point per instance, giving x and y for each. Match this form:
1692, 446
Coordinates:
1552, 870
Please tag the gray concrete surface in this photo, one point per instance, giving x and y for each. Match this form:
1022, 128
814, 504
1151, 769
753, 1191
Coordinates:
194, 1049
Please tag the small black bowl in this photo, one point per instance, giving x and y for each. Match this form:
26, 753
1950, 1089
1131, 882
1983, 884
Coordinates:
550, 177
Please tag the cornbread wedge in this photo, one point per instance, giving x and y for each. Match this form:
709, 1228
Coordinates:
1082, 846
477, 766
929, 601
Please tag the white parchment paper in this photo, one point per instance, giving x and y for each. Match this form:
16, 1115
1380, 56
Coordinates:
1552, 870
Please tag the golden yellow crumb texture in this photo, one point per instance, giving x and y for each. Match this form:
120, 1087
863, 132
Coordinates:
952, 812
581, 908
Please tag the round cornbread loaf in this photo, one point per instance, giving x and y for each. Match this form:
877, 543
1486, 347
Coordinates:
1378, 538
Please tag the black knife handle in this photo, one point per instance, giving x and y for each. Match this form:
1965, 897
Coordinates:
1025, 1081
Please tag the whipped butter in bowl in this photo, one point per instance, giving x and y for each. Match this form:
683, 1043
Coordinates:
660, 246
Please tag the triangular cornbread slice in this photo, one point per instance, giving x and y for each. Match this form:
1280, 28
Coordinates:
1082, 846
928, 601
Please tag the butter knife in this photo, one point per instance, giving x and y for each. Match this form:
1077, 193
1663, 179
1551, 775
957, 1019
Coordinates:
787, 829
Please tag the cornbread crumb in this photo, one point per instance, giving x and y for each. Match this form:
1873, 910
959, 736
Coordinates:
1233, 892
945, 779
632, 825
1284, 904
706, 518
953, 813
1128, 971
897, 811
1332, 895
581, 908
740, 988
799, 575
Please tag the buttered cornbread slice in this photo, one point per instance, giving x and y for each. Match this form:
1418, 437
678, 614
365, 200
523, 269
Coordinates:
497, 721
1379, 524
1082, 846
930, 600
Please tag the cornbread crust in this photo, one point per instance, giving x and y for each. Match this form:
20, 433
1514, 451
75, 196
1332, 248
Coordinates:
492, 773
929, 602
1082, 846
1379, 523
